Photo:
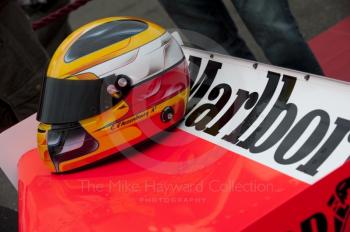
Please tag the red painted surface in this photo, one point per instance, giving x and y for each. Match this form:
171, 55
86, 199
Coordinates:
324, 206
332, 49
166, 187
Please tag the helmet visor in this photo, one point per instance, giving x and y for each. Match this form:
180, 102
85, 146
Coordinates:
66, 101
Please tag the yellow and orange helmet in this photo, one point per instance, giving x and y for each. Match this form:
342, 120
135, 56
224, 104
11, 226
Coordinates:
111, 84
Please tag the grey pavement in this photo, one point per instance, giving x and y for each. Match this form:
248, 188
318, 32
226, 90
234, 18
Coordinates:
313, 16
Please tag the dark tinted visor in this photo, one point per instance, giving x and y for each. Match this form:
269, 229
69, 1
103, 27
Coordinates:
103, 36
66, 101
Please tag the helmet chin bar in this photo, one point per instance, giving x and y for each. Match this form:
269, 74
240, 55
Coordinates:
69, 141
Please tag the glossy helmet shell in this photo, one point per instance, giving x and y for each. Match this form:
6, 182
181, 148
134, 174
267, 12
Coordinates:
111, 84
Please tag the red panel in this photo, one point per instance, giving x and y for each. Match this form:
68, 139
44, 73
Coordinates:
324, 206
332, 49
183, 183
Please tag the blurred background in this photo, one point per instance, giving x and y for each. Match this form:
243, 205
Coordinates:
313, 16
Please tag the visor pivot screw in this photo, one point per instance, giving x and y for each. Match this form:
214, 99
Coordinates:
167, 114
122, 82
112, 90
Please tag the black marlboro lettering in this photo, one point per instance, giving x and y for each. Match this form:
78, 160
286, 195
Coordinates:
298, 130
279, 107
284, 134
203, 84
211, 109
193, 67
341, 130
242, 96
257, 110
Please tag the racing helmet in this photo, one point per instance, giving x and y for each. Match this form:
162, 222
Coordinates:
111, 84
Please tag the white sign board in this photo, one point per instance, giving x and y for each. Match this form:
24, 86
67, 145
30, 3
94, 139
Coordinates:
295, 123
